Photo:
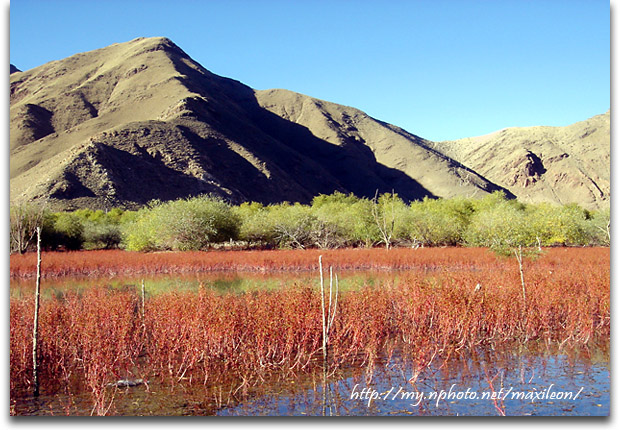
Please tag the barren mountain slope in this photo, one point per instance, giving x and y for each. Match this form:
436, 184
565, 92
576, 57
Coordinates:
553, 164
141, 120
391, 146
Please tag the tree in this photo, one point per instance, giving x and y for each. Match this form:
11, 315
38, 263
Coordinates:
255, 223
24, 220
600, 227
361, 224
292, 225
68, 231
387, 211
333, 223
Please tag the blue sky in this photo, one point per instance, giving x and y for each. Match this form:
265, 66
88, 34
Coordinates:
441, 69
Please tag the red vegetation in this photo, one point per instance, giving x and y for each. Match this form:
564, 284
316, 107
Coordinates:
117, 262
101, 335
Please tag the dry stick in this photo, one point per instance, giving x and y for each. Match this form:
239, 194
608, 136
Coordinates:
329, 307
35, 331
143, 301
323, 310
332, 315
519, 256
327, 323
327, 317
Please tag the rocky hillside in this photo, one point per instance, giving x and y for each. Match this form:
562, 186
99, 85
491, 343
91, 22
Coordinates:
544, 164
141, 120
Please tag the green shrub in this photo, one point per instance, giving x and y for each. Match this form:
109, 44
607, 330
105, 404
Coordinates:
256, 226
63, 230
558, 225
438, 222
101, 235
599, 227
335, 221
291, 225
101, 230
389, 214
185, 224
331, 221
503, 224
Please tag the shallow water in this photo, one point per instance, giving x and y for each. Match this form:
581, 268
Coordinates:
541, 386
222, 282
526, 381
523, 383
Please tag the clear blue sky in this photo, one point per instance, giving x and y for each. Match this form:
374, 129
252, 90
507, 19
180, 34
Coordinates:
440, 69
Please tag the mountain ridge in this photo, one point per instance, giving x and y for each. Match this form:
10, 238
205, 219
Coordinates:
141, 120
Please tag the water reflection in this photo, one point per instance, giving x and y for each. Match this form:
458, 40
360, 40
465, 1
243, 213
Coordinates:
527, 384
226, 282
447, 388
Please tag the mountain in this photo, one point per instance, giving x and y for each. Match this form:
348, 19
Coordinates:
544, 164
13, 69
136, 121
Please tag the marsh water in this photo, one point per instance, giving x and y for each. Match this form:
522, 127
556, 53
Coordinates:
518, 384
534, 380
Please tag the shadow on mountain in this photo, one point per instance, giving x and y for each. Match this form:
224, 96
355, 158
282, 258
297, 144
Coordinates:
292, 152
142, 179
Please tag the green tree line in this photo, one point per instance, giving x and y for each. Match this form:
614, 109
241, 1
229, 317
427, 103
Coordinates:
330, 221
